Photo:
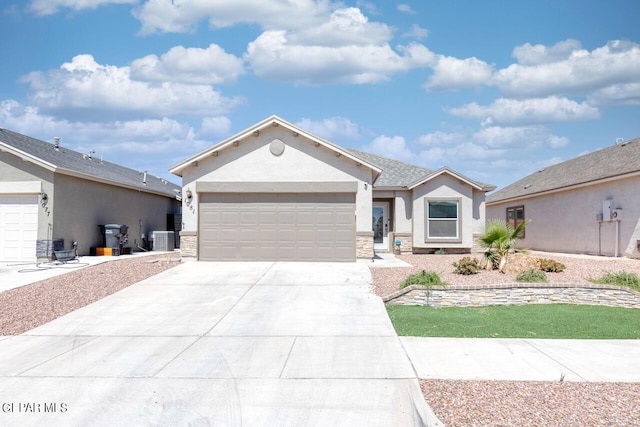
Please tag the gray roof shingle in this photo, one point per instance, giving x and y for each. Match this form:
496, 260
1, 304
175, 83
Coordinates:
394, 173
400, 174
616, 160
69, 160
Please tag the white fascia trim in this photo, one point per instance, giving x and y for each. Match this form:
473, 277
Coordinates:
27, 157
440, 172
567, 188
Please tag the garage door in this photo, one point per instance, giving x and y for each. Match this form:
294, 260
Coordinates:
18, 227
277, 227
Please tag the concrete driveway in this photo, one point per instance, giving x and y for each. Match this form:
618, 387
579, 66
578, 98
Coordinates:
224, 344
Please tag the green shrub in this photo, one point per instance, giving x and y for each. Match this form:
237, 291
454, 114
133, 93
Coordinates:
424, 278
467, 266
551, 266
440, 252
622, 278
532, 276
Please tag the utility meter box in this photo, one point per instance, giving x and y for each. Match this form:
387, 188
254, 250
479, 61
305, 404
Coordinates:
606, 210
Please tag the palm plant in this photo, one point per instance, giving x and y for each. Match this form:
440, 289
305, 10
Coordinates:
499, 240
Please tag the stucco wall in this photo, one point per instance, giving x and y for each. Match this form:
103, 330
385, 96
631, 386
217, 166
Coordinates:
567, 221
445, 187
81, 205
301, 161
14, 169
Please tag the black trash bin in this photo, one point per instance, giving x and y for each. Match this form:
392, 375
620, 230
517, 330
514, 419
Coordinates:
115, 235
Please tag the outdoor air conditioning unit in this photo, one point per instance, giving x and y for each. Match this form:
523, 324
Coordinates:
616, 214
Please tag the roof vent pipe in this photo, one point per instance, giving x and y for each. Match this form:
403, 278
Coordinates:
56, 142
144, 178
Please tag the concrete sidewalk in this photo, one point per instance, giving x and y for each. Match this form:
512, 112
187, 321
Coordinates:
524, 359
229, 344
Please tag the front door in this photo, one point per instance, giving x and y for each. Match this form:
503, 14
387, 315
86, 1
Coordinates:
381, 226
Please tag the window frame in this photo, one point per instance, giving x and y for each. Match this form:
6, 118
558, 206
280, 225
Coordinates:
514, 222
445, 239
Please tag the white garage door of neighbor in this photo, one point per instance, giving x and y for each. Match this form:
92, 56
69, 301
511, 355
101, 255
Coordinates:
18, 227
277, 227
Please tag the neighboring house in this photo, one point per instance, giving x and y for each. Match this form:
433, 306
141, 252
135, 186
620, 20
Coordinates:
277, 192
48, 192
590, 204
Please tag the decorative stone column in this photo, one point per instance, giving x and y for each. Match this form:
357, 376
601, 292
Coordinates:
189, 243
364, 244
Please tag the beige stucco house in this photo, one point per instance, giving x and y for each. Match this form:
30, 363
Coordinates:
589, 204
49, 193
277, 192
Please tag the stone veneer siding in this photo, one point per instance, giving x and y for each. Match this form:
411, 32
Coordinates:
364, 245
477, 246
516, 294
406, 247
189, 243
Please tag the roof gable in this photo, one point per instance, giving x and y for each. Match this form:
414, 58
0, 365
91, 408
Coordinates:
477, 185
69, 162
608, 163
255, 130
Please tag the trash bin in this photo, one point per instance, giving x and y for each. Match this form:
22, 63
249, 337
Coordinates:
115, 235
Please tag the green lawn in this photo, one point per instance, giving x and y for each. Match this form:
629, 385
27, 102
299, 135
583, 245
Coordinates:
529, 321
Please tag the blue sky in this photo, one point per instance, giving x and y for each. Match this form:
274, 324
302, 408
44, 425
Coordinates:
493, 89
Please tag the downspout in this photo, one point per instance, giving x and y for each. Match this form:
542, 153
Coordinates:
617, 237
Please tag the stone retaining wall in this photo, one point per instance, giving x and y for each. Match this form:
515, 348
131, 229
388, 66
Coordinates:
516, 294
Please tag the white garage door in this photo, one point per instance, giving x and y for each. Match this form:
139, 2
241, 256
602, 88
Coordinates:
277, 227
18, 227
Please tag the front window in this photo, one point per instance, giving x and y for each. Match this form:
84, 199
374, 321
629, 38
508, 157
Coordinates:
515, 217
443, 221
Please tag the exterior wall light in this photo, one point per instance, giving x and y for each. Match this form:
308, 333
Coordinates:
188, 197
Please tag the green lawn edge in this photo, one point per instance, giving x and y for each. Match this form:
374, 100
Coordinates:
559, 321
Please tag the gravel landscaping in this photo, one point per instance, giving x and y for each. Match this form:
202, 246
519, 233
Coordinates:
28, 307
526, 403
522, 403
579, 269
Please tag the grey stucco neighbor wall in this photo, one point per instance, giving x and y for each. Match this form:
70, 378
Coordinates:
566, 221
81, 205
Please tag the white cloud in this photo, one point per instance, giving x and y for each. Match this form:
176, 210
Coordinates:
85, 86
273, 56
345, 27
332, 128
527, 111
154, 144
580, 73
494, 154
182, 16
405, 8
49, 7
528, 54
416, 32
215, 126
619, 94
452, 73
519, 137
392, 147
189, 65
